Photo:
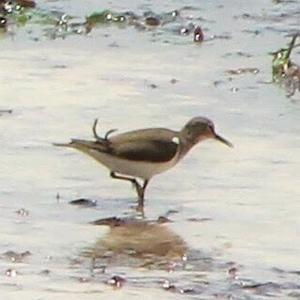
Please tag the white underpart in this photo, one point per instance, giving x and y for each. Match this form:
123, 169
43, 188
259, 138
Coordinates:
141, 169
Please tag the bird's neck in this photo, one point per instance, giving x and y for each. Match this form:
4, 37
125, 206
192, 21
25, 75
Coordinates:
186, 145
184, 148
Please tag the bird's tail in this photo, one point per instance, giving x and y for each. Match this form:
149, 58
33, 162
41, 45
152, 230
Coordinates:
83, 145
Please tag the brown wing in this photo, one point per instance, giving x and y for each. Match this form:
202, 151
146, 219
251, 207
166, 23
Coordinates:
153, 145
145, 150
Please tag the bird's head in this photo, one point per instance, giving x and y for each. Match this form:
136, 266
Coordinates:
199, 129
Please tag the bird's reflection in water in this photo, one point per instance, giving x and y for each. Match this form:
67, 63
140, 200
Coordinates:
139, 243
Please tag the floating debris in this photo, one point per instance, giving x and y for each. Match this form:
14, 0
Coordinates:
83, 202
83, 279
187, 29
10, 5
13, 7
45, 272
234, 89
58, 24
65, 26
232, 272
295, 272
163, 219
241, 71
220, 37
5, 111
198, 35
63, 21
152, 21
153, 86
261, 288
200, 220
168, 286
3, 22
101, 18
57, 197
110, 221
169, 17
7, 7
59, 67
238, 53
173, 288
23, 212
11, 273
172, 212
48, 258
116, 281
218, 82
26, 3
16, 256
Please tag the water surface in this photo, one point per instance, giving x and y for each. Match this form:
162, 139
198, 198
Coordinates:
237, 211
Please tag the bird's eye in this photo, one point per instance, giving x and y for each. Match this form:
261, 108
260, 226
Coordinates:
211, 127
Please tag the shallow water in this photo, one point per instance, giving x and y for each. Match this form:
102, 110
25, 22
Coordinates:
236, 210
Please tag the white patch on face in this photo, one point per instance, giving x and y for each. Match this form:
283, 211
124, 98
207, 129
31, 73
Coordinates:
175, 140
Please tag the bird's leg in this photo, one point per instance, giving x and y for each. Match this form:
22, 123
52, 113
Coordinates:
108, 133
98, 137
138, 187
142, 194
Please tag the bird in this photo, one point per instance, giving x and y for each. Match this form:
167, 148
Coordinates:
143, 153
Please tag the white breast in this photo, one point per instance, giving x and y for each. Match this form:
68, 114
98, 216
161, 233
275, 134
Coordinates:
141, 169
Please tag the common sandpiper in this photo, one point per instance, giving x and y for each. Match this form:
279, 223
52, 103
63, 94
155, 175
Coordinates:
146, 152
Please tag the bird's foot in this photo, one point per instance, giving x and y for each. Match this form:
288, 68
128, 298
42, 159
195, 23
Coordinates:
140, 211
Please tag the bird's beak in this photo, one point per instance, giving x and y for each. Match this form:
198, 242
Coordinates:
224, 141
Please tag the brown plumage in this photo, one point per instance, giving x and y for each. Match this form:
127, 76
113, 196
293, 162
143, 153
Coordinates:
146, 152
